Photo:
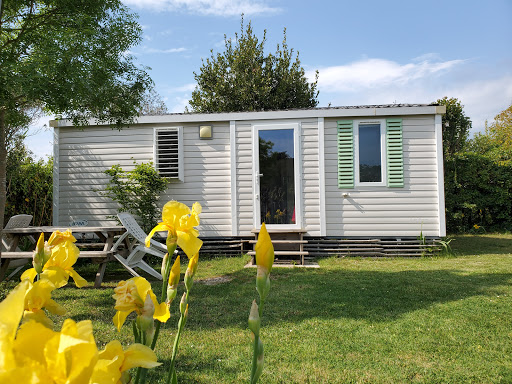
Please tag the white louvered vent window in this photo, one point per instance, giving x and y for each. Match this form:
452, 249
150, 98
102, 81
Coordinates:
168, 152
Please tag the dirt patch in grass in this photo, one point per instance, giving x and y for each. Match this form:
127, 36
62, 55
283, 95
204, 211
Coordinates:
215, 280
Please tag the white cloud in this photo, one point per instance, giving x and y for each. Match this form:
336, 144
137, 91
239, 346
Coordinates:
423, 80
184, 88
166, 32
157, 50
372, 73
484, 99
207, 7
178, 104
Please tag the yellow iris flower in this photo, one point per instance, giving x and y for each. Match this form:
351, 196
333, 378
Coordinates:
58, 237
180, 221
59, 266
174, 276
38, 297
191, 271
69, 356
41, 254
11, 311
192, 265
36, 354
264, 250
114, 362
130, 296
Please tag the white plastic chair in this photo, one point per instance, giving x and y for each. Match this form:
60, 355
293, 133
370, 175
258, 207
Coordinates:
17, 221
139, 250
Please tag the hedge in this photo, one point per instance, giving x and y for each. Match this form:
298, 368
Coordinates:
478, 193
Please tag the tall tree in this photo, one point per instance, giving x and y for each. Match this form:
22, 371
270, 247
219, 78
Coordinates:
152, 104
456, 126
496, 141
244, 78
500, 130
67, 57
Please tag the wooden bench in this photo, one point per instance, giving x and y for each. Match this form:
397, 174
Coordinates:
98, 257
100, 250
29, 255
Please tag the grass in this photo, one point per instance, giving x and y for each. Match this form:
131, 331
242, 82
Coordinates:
354, 320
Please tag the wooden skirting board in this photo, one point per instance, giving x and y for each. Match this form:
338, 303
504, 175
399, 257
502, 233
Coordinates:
294, 247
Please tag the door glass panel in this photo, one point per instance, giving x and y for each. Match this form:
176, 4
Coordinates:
277, 184
369, 153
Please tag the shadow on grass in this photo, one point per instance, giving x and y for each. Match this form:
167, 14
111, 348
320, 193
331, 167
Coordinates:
470, 245
372, 295
299, 294
189, 364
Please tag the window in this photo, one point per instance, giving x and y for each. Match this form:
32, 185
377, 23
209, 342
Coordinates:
370, 153
370, 162
169, 152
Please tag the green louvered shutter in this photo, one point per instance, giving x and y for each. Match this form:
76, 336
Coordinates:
345, 154
395, 154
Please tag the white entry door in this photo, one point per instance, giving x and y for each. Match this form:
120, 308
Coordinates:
277, 177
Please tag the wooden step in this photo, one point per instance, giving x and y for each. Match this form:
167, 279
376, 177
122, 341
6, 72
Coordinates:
284, 253
280, 230
283, 241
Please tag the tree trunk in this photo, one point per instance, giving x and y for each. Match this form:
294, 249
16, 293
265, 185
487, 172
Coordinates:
3, 171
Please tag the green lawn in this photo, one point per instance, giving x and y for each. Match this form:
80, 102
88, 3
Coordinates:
354, 320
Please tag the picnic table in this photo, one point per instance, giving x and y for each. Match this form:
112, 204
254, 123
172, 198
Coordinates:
101, 250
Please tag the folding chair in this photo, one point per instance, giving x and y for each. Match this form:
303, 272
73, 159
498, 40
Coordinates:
17, 221
139, 250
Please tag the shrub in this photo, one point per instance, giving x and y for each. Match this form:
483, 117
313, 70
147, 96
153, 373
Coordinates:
478, 192
136, 191
29, 186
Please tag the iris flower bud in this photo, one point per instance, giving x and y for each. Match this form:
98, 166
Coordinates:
254, 319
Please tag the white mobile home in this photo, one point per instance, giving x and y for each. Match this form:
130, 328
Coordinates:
352, 172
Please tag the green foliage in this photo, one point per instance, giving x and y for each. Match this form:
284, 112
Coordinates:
29, 186
68, 58
501, 129
496, 142
137, 192
478, 193
243, 78
456, 126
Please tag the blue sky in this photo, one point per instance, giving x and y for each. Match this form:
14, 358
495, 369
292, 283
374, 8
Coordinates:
367, 52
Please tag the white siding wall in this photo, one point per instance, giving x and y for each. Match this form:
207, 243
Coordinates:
207, 178
84, 155
244, 172
310, 177
383, 211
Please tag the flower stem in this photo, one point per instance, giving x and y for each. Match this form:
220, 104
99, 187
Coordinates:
254, 357
163, 294
136, 334
255, 347
137, 376
181, 325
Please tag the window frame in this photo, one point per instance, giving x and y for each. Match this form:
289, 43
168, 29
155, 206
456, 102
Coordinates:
179, 129
383, 153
